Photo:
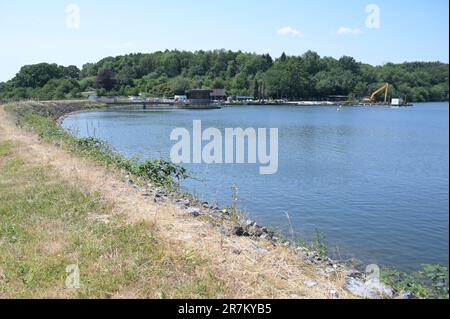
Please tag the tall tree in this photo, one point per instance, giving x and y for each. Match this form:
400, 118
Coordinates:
256, 92
106, 79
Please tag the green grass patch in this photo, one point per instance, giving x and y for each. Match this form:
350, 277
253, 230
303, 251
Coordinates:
5, 148
47, 225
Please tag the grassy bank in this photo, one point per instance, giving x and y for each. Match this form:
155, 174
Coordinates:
47, 225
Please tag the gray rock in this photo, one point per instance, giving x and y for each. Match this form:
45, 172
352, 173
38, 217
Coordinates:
405, 295
310, 254
240, 231
184, 202
330, 270
334, 294
215, 216
255, 231
225, 231
261, 250
193, 211
161, 192
370, 289
264, 236
310, 283
326, 286
250, 223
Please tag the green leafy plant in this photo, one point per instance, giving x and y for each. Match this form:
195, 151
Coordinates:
319, 244
437, 277
161, 172
430, 282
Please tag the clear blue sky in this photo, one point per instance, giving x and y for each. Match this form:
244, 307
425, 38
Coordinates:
36, 31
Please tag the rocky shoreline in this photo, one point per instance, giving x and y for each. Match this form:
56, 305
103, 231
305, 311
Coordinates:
358, 283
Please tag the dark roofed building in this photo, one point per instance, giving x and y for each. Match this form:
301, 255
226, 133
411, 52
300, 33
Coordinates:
218, 95
199, 96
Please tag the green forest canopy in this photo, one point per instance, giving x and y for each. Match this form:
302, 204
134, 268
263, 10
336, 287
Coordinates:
165, 74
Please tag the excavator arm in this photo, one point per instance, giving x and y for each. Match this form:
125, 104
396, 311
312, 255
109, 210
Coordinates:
384, 88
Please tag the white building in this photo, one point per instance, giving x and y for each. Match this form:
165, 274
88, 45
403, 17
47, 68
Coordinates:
397, 102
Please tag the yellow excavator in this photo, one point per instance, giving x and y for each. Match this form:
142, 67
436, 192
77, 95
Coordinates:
372, 99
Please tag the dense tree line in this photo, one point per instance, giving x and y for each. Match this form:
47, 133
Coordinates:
173, 72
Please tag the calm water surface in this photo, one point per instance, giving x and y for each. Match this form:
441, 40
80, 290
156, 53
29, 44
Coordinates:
374, 181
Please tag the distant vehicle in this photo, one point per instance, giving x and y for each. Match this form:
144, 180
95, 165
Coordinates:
181, 99
241, 98
135, 99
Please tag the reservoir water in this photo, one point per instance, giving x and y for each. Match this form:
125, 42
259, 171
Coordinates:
374, 181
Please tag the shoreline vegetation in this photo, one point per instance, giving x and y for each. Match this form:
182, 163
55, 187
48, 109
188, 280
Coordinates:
306, 272
308, 77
